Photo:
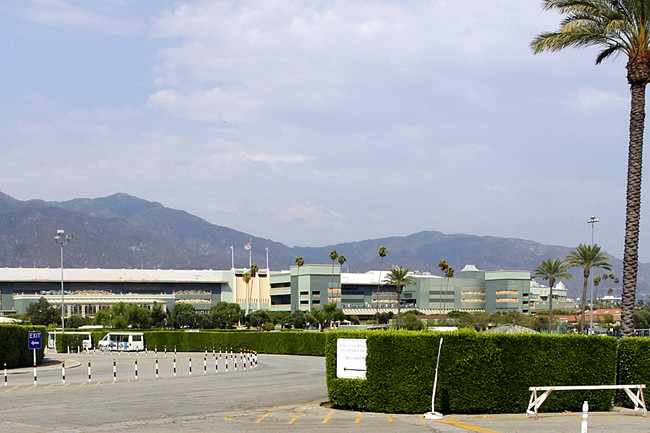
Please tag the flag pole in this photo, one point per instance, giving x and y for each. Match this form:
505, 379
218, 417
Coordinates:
250, 253
267, 258
232, 254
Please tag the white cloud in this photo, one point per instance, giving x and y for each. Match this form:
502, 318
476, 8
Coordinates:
214, 105
60, 12
589, 98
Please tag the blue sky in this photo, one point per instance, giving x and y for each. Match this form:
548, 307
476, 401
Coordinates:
314, 123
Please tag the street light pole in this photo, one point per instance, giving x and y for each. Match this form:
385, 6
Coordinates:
593, 220
61, 238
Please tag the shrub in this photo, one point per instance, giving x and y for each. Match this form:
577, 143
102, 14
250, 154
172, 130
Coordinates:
13, 345
479, 373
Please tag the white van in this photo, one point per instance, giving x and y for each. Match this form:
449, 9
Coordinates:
122, 341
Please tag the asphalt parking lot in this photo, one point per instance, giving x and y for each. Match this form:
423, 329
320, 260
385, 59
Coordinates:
284, 393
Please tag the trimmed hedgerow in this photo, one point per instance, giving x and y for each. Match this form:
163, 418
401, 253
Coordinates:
479, 373
13, 346
633, 365
286, 343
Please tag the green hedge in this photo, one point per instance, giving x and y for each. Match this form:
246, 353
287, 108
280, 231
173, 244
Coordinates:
72, 341
286, 342
479, 373
13, 346
633, 365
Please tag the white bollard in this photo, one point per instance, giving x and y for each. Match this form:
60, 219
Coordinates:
63, 372
585, 417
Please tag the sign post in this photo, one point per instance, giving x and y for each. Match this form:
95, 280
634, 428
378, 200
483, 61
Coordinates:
34, 342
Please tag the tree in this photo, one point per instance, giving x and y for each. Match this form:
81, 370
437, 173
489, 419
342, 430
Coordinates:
399, 278
42, 313
617, 27
551, 270
225, 315
412, 323
74, 321
247, 277
587, 257
137, 316
183, 316
158, 315
383, 251
333, 256
342, 260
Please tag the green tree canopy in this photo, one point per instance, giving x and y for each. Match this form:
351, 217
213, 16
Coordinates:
183, 316
42, 313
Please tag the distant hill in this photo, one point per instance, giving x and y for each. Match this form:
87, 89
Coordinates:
123, 231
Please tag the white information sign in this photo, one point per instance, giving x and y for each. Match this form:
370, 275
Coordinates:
351, 358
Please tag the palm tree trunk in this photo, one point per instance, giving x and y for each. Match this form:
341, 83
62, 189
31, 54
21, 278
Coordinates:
638, 75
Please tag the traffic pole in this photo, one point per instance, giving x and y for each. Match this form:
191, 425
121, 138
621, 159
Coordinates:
190, 365
114, 370
89, 372
205, 364
156, 368
35, 378
136, 368
63, 372
174, 366
584, 426
5, 374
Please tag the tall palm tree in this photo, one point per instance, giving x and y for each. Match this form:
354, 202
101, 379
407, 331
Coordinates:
399, 278
617, 27
551, 270
246, 276
587, 257
342, 260
333, 256
254, 273
383, 251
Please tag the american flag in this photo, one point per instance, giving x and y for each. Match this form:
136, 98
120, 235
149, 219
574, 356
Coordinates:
247, 245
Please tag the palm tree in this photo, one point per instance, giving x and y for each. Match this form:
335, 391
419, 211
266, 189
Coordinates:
618, 27
551, 270
333, 256
399, 277
246, 276
342, 260
587, 257
254, 271
382, 253
444, 267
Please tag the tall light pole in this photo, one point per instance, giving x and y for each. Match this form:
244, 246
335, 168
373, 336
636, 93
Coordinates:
593, 220
61, 238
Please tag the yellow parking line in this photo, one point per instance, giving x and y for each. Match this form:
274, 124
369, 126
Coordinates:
327, 418
468, 426
358, 420
66, 385
49, 386
297, 415
390, 417
82, 384
264, 416
11, 389
98, 383
604, 414
27, 389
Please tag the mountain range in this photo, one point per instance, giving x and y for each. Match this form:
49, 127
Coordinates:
123, 231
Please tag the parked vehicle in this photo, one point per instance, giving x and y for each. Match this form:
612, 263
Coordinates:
122, 341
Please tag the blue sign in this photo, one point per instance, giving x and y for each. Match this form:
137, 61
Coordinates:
35, 340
